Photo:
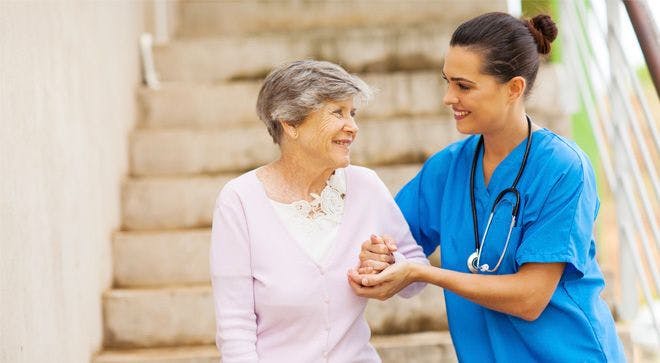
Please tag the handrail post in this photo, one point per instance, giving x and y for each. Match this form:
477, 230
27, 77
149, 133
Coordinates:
647, 35
627, 309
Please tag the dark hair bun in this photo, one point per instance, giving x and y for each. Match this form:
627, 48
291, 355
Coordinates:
544, 31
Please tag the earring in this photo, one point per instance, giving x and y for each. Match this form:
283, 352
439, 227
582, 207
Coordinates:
295, 133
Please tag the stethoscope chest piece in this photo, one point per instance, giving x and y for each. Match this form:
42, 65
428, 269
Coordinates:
473, 263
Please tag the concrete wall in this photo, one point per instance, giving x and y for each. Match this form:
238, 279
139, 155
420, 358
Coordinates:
68, 74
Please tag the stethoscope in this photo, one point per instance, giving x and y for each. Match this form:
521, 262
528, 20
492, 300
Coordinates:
474, 261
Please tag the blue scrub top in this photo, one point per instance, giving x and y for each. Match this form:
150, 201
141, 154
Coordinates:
558, 206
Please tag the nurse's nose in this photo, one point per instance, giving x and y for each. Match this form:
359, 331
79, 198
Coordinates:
450, 97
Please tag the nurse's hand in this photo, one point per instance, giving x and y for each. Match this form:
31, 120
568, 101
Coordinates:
376, 254
384, 285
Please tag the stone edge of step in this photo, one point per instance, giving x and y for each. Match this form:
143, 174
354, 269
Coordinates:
145, 189
209, 351
202, 19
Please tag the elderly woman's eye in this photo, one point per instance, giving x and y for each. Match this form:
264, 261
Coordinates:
338, 113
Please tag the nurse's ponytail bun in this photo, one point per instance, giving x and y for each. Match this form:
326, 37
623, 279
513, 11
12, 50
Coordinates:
544, 31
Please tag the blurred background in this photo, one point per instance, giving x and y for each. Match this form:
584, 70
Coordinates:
121, 120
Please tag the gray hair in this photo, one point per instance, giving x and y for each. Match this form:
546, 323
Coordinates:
294, 90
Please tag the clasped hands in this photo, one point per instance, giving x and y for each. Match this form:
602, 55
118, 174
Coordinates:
378, 276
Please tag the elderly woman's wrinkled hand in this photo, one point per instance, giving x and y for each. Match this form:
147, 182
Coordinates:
383, 285
376, 254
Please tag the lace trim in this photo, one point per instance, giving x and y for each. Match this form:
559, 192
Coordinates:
329, 205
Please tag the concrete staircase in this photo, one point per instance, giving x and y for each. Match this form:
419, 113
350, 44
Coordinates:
200, 129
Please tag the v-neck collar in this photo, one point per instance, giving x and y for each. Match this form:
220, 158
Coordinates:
499, 180
291, 239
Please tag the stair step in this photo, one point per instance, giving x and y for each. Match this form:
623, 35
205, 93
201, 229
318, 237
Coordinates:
170, 203
139, 318
432, 347
194, 105
206, 18
172, 316
424, 347
358, 50
183, 354
187, 202
161, 258
422, 312
152, 258
185, 152
414, 93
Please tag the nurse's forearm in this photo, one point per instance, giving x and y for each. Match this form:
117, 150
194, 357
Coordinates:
524, 294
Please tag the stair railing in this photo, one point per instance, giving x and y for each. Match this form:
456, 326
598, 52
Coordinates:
627, 140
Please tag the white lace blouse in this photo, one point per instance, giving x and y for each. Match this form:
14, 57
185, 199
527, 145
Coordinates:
314, 224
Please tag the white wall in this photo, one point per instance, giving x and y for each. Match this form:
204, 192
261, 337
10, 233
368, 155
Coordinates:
68, 74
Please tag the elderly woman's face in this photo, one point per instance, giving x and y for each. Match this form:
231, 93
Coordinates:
326, 135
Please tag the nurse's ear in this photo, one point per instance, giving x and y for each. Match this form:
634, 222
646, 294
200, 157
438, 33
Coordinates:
516, 88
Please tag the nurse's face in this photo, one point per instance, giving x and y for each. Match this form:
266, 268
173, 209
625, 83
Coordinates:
478, 101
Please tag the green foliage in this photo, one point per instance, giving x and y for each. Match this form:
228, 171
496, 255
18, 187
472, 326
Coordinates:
644, 76
531, 8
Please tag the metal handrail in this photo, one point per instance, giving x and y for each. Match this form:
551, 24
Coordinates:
647, 36
611, 130
621, 81
623, 180
629, 70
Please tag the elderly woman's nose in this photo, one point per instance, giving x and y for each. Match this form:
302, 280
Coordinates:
351, 125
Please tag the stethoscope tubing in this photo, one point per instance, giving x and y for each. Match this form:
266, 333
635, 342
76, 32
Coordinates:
514, 212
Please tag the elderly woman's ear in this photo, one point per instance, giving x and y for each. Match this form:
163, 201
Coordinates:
289, 129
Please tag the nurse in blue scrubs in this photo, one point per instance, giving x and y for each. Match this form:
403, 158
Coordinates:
512, 208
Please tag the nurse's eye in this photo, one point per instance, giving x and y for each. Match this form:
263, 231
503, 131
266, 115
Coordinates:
463, 87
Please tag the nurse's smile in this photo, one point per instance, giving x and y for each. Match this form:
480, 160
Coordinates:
459, 115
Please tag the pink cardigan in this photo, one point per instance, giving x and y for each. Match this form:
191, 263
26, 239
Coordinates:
273, 303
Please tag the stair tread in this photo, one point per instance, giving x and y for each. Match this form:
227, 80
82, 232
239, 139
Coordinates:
210, 351
186, 201
191, 152
418, 46
146, 354
443, 117
216, 18
143, 317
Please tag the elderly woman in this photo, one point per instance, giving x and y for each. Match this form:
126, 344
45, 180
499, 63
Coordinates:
285, 234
